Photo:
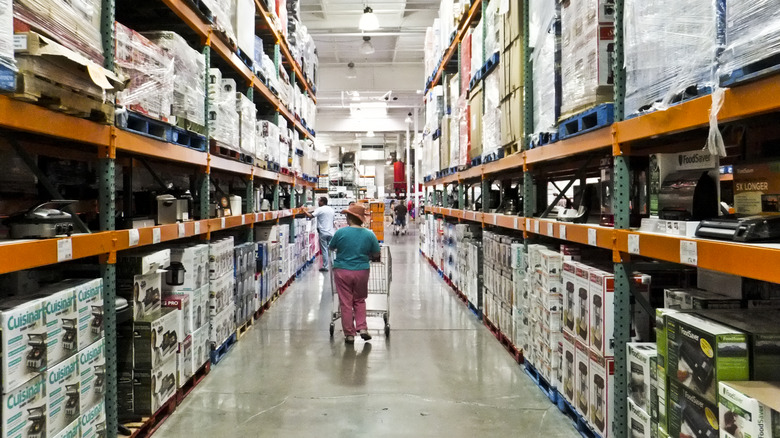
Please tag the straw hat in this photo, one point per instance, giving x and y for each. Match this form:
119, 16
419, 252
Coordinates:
357, 211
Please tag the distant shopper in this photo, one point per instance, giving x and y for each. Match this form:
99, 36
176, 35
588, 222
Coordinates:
325, 217
400, 218
355, 247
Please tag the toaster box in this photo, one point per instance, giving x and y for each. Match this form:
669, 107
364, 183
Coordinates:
582, 306
73, 430
156, 339
690, 415
639, 423
143, 293
702, 352
93, 421
183, 304
63, 389
749, 409
62, 316
602, 385
568, 364
188, 270
601, 295
152, 388
92, 375
142, 262
185, 358
89, 299
763, 330
641, 363
24, 410
582, 371
201, 347
569, 279
221, 293
24, 341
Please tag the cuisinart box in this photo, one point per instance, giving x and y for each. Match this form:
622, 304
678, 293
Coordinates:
689, 414
152, 388
641, 364
24, 410
62, 318
156, 339
639, 423
757, 188
92, 371
24, 341
73, 430
89, 299
93, 421
602, 384
749, 409
62, 387
702, 352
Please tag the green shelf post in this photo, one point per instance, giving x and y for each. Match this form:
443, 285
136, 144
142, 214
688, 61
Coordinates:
485, 195
275, 205
461, 196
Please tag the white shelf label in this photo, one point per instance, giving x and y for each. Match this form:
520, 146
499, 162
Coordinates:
197, 227
592, 240
550, 230
64, 250
536, 227
257, 217
243, 220
133, 237
528, 224
689, 253
156, 235
495, 219
562, 232
516, 219
633, 244
222, 222
182, 230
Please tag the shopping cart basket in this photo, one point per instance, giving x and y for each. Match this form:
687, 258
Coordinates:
379, 278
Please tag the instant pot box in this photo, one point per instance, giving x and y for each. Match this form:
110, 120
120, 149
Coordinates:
191, 263
582, 370
62, 387
639, 423
62, 317
24, 410
602, 385
73, 430
749, 409
24, 341
183, 304
152, 388
92, 371
569, 367
641, 363
156, 339
690, 415
702, 352
93, 421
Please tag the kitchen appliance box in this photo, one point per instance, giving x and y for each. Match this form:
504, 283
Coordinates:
152, 388
569, 368
601, 386
93, 421
582, 372
186, 368
601, 298
662, 383
201, 347
569, 279
63, 401
641, 360
156, 339
222, 325
73, 430
141, 262
24, 341
62, 314
701, 352
194, 259
183, 304
688, 299
88, 321
639, 423
24, 409
757, 188
92, 371
221, 293
139, 280
198, 304
220, 258
582, 308
749, 409
689, 413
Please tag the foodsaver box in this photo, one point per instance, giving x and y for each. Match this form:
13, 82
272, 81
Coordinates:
749, 409
689, 414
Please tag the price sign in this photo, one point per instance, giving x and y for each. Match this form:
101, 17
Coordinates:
64, 250
550, 231
562, 232
182, 230
133, 237
197, 227
633, 243
516, 219
528, 224
243, 220
536, 227
156, 235
689, 253
495, 219
222, 223
592, 240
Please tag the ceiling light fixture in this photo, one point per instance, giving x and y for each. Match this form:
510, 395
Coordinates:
370, 134
369, 20
351, 72
366, 48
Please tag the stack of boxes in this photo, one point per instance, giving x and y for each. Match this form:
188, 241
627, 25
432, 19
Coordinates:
221, 288
266, 271
470, 262
224, 124
247, 125
377, 224
267, 146
511, 69
546, 301
245, 287
498, 298
544, 39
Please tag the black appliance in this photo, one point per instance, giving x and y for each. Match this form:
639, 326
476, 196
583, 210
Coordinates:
741, 229
688, 195
96, 326
569, 320
597, 321
69, 333
568, 386
585, 201
697, 422
582, 399
582, 327
638, 192
174, 275
39, 222
37, 417
72, 402
598, 404
36, 357
100, 379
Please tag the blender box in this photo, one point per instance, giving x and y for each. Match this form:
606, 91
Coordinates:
201, 347
569, 374
639, 423
582, 371
62, 316
582, 307
24, 341
92, 375
763, 330
221, 293
141, 262
749, 409
602, 319
690, 414
183, 304
641, 362
186, 370
152, 388
143, 293
73, 430
701, 352
24, 409
569, 279
602, 384
93, 421
89, 299
62, 387
156, 339
188, 269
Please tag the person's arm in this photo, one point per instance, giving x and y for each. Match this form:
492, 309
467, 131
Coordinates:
312, 214
334, 240
376, 252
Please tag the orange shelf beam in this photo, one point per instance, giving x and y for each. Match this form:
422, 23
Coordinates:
23, 116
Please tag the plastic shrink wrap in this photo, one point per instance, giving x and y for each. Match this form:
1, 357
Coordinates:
223, 117
189, 83
150, 70
74, 24
222, 11
285, 144
587, 51
491, 122
465, 62
6, 35
544, 34
752, 33
269, 135
454, 128
247, 116
492, 23
429, 56
477, 52
669, 47
242, 20
464, 131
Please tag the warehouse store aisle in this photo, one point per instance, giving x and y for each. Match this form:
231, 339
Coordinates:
441, 373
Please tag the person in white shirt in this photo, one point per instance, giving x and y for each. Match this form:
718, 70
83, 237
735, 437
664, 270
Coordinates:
325, 217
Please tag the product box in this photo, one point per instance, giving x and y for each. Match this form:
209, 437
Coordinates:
641, 361
142, 262
687, 299
73, 430
569, 279
749, 409
62, 318
639, 423
143, 293
582, 308
569, 373
221, 293
152, 388
93, 421
89, 299
198, 304
189, 267
92, 371
201, 347
661, 363
602, 385
24, 341
184, 357
156, 339
757, 188
552, 264
702, 352
222, 325
184, 306
602, 318
62, 387
24, 409
690, 414
582, 370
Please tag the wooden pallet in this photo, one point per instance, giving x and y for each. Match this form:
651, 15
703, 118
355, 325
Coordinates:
219, 353
188, 125
244, 328
149, 425
192, 382
221, 150
512, 148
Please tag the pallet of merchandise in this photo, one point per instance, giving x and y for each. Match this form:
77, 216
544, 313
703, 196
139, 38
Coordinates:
511, 148
753, 71
141, 124
192, 382
189, 139
202, 9
220, 149
219, 352
149, 425
7, 78
544, 385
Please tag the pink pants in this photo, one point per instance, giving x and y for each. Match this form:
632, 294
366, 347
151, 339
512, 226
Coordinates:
352, 287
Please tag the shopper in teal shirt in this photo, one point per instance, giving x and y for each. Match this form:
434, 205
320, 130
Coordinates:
355, 247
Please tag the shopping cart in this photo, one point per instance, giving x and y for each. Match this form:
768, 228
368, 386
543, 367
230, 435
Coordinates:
379, 278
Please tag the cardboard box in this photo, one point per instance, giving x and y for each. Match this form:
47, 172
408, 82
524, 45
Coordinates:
194, 261
89, 299
62, 320
641, 361
73, 430
63, 405
156, 339
688, 298
221, 293
511, 109
602, 385
511, 70
92, 372
569, 280
198, 304
582, 370
24, 409
602, 318
639, 423
152, 388
749, 409
24, 341
222, 325
93, 421
475, 114
184, 356
690, 414
511, 27
141, 262
183, 305
201, 347
221, 256
662, 382
702, 352
569, 372
757, 188
582, 308
143, 293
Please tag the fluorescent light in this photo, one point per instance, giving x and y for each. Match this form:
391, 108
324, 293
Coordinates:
370, 134
369, 20
366, 48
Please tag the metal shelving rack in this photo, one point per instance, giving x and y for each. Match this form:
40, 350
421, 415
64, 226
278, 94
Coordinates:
743, 101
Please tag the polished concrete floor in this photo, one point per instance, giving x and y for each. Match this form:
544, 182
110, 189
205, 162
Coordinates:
440, 374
